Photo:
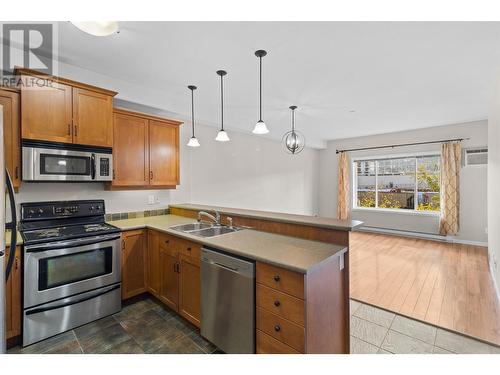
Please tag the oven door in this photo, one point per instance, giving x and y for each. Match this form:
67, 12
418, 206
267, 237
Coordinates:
47, 164
61, 269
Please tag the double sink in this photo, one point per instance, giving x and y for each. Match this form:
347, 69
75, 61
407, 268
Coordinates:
205, 229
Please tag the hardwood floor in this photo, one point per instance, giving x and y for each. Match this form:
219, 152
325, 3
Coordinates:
448, 285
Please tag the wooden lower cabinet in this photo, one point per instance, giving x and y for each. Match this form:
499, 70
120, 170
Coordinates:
134, 245
269, 345
13, 296
173, 274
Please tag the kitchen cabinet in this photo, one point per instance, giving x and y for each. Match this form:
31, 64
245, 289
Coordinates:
10, 101
92, 118
177, 272
60, 110
13, 296
134, 244
153, 263
146, 151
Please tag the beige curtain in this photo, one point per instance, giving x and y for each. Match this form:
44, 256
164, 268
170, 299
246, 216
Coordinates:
343, 187
451, 154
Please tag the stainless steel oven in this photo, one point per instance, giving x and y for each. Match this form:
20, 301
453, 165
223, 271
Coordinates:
45, 161
69, 283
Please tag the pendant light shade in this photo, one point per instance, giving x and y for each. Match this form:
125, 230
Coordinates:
293, 140
260, 126
193, 141
222, 135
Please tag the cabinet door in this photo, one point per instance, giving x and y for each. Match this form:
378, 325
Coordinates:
13, 297
11, 133
169, 277
133, 263
46, 113
153, 263
189, 291
130, 150
163, 153
92, 118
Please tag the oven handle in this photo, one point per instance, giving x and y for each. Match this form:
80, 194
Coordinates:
74, 302
72, 243
93, 166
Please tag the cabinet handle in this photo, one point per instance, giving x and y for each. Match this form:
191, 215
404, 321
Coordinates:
175, 267
16, 173
277, 303
188, 249
277, 328
167, 241
114, 174
150, 175
76, 130
277, 278
69, 129
16, 263
123, 244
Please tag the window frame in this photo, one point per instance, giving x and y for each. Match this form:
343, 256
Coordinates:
414, 211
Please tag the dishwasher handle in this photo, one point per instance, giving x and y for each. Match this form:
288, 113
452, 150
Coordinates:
224, 266
227, 262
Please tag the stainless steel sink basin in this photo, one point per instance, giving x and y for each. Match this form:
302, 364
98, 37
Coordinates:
205, 229
214, 231
191, 227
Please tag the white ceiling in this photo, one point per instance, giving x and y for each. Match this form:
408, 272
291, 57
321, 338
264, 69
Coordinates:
394, 75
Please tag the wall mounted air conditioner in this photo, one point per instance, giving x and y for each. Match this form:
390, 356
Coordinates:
475, 157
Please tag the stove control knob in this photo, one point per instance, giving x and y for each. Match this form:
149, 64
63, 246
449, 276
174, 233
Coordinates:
91, 208
31, 212
40, 211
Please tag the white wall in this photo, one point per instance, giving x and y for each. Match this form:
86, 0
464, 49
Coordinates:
493, 186
253, 172
473, 200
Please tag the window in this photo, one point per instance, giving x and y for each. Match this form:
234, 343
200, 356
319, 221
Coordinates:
408, 183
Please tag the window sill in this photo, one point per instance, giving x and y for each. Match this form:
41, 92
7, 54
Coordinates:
395, 211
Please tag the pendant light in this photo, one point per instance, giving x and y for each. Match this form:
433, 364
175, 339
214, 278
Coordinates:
193, 141
293, 140
222, 135
98, 28
260, 126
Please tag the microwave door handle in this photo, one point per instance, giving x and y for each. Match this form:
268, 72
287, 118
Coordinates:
92, 166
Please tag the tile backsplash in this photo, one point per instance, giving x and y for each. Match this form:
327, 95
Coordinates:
136, 214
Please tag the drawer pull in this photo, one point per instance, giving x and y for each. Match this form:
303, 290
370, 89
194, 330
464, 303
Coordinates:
277, 328
167, 241
277, 303
277, 278
189, 249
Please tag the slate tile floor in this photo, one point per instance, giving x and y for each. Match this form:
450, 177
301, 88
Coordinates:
142, 327
146, 326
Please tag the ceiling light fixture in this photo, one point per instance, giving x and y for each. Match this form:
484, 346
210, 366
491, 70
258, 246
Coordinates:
294, 141
98, 28
260, 126
222, 135
193, 141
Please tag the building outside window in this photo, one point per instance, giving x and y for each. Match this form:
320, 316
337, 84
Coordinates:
405, 183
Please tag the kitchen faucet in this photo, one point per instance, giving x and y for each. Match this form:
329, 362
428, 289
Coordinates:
216, 218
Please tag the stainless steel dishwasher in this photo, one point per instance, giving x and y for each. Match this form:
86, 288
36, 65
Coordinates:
228, 301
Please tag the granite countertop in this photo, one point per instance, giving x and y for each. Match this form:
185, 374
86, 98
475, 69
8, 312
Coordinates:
292, 253
314, 221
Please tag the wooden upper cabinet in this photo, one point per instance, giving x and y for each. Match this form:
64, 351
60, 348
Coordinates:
163, 153
61, 110
145, 151
9, 100
92, 118
47, 113
131, 150
133, 263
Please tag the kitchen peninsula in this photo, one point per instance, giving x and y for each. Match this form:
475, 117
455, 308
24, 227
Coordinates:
302, 272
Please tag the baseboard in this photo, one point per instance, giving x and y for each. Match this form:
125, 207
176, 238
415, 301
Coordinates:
428, 236
493, 278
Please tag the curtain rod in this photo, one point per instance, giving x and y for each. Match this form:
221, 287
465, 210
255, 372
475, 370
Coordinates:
403, 144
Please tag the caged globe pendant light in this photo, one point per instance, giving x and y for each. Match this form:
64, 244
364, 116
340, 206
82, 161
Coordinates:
193, 141
260, 126
222, 135
293, 140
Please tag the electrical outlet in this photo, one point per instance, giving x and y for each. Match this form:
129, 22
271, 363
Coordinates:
151, 199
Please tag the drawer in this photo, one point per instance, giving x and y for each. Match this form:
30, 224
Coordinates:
269, 345
189, 248
281, 304
281, 329
281, 279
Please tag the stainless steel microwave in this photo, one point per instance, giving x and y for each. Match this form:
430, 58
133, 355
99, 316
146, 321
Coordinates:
46, 161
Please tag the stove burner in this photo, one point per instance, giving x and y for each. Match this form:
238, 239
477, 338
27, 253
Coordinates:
96, 227
47, 233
